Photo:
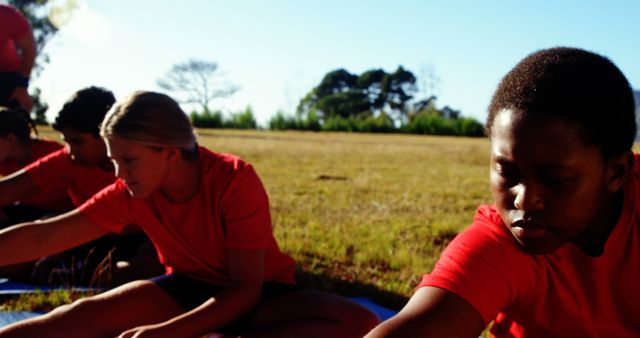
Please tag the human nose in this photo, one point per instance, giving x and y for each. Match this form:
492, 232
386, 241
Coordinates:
528, 197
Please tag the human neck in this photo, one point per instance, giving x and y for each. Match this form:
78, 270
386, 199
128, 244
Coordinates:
183, 181
592, 240
106, 165
22, 152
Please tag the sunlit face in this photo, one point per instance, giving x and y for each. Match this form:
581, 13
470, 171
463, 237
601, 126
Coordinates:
84, 148
547, 185
142, 168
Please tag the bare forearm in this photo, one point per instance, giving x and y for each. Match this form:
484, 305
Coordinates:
16, 187
229, 305
20, 243
28, 241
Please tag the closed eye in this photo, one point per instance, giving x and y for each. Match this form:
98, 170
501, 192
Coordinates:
506, 171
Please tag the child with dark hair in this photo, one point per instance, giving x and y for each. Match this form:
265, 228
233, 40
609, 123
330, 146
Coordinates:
20, 146
76, 112
558, 253
82, 169
208, 215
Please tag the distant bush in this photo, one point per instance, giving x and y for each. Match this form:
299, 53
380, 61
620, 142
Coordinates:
470, 127
207, 119
370, 124
281, 121
240, 120
429, 124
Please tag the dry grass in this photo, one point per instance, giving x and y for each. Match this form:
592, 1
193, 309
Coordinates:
363, 213
372, 209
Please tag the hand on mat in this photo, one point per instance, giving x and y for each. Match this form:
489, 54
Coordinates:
146, 331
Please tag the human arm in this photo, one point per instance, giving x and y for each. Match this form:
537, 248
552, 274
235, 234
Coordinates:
28, 241
246, 269
17, 186
27, 44
432, 312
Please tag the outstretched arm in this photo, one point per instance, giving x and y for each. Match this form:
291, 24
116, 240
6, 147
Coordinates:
29, 241
432, 312
15, 187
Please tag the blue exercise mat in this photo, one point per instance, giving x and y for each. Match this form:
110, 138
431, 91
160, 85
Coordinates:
382, 312
8, 287
7, 318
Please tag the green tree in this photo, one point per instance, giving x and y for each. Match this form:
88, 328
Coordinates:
345, 95
399, 87
199, 81
370, 82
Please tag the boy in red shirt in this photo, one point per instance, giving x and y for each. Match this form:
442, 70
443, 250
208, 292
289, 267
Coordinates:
19, 147
208, 216
82, 168
558, 253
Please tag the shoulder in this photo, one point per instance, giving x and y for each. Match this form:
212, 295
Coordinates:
221, 165
112, 195
13, 18
53, 159
484, 265
43, 147
487, 229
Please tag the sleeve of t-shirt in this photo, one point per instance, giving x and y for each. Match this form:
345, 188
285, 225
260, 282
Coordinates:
50, 171
245, 209
110, 208
483, 266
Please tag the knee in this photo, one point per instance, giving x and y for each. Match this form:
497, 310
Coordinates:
357, 319
70, 315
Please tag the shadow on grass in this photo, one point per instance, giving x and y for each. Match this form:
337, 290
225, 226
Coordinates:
381, 297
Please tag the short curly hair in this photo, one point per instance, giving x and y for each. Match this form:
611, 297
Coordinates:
85, 110
582, 88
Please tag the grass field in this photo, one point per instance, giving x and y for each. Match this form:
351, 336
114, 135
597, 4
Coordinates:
363, 214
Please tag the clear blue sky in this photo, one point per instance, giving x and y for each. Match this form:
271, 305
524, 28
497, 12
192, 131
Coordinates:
277, 50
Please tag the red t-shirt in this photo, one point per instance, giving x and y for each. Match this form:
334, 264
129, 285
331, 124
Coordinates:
563, 294
45, 199
229, 211
57, 170
13, 26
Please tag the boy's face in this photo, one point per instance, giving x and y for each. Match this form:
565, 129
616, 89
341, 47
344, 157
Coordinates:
84, 148
547, 185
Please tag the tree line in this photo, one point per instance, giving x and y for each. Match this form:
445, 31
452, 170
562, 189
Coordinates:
374, 101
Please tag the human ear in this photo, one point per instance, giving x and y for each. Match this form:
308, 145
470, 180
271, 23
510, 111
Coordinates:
618, 168
173, 154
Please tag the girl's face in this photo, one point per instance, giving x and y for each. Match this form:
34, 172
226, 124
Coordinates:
547, 185
142, 168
